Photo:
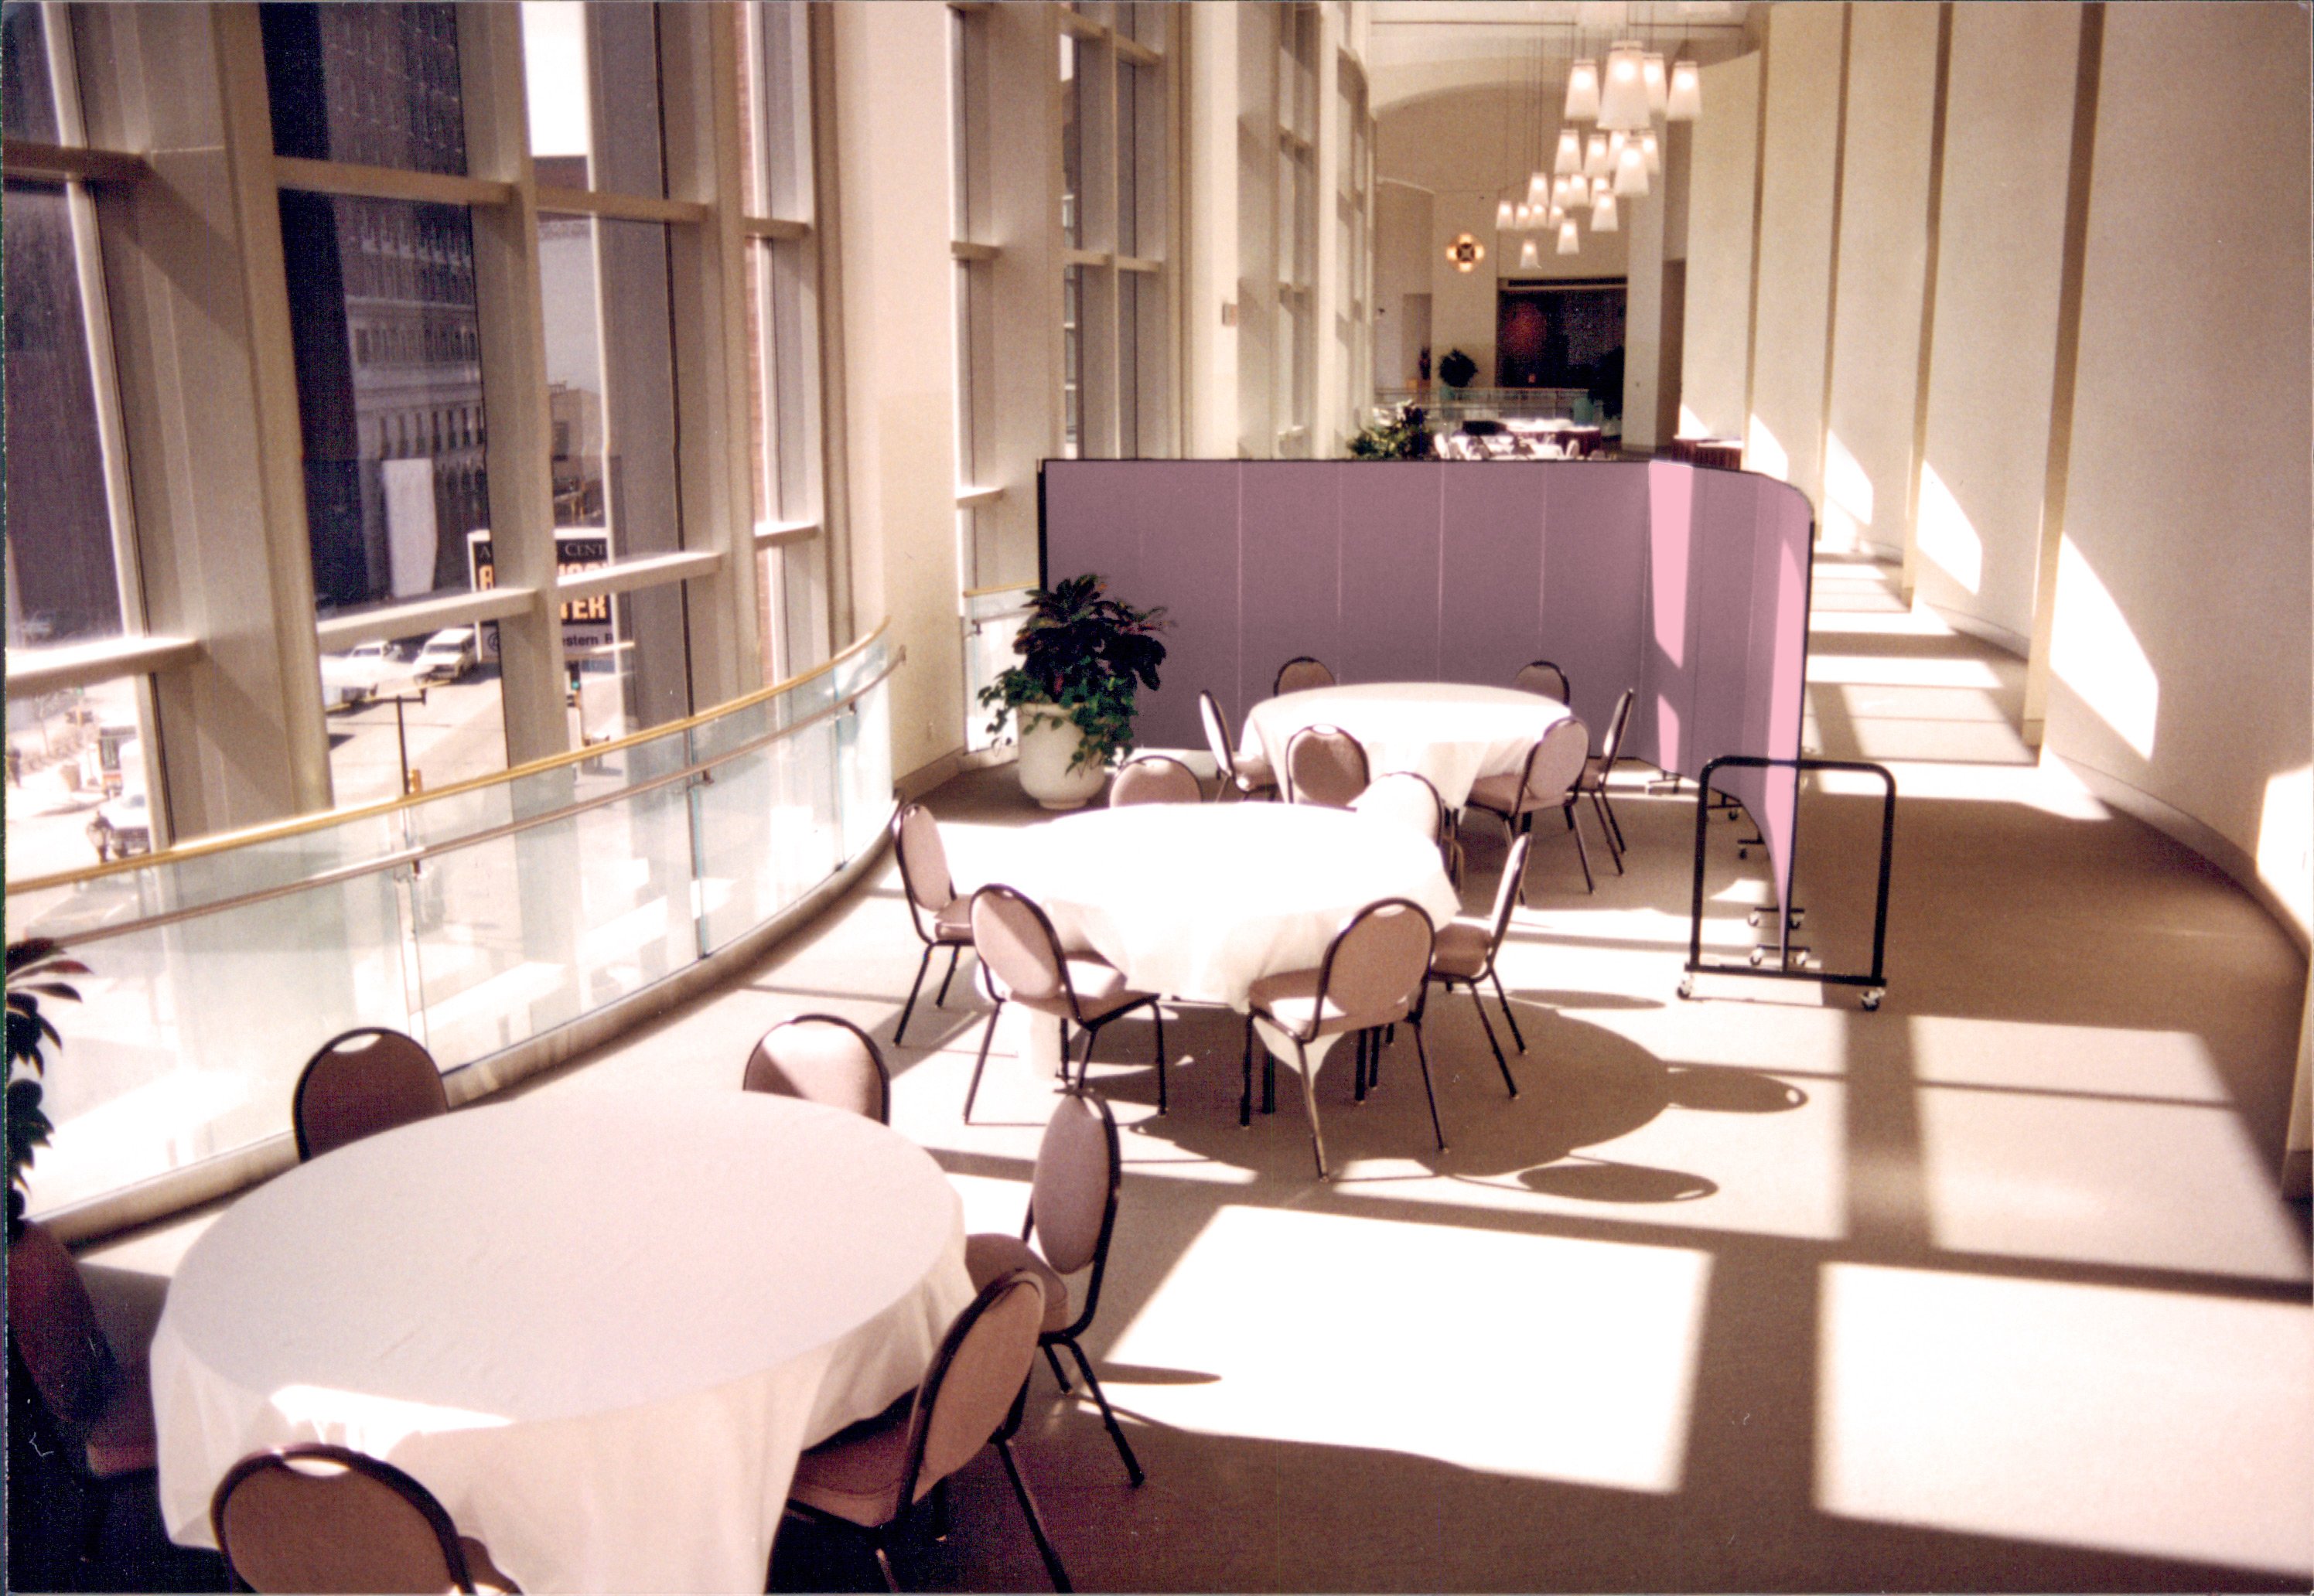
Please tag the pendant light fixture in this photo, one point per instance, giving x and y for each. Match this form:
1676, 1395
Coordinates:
1570, 243
1529, 260
1570, 151
1595, 156
1623, 95
1603, 216
1659, 86
1505, 217
1684, 102
1555, 218
1538, 188
1616, 140
1631, 173
1652, 149
1582, 91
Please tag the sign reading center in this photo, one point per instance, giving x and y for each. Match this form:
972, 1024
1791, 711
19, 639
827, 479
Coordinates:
588, 628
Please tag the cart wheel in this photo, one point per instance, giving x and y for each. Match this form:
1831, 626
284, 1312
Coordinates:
1759, 955
1687, 987
1872, 1000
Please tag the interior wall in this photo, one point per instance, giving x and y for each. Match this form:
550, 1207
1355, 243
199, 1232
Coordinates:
1402, 227
2180, 664
1716, 355
1884, 252
1992, 368
893, 120
1783, 430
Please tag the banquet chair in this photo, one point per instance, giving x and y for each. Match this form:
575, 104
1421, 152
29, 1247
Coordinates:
867, 1476
1250, 776
1540, 676
1324, 765
1408, 798
1021, 954
942, 919
360, 1082
1598, 768
1071, 1212
1547, 781
1300, 674
1155, 779
314, 1517
822, 1058
1465, 950
1374, 974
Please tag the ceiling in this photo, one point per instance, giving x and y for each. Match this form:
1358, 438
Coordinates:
1421, 47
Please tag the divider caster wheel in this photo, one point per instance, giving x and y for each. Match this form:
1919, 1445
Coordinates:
1871, 1000
1758, 956
1687, 987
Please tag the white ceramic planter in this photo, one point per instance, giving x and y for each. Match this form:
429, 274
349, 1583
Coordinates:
1049, 742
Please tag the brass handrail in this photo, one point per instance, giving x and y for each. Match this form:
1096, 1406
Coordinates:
274, 830
426, 850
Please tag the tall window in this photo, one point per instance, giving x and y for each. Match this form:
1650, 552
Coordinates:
1298, 33
79, 748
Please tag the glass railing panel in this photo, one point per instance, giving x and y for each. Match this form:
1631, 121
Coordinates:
189, 1037
992, 622
768, 832
863, 768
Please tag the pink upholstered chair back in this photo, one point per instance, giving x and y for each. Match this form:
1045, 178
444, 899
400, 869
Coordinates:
1506, 892
323, 1518
1555, 763
975, 1378
1155, 779
1073, 1197
1018, 945
1217, 734
1300, 673
1326, 766
823, 1058
359, 1083
1612, 743
1376, 965
1544, 677
54, 1326
923, 861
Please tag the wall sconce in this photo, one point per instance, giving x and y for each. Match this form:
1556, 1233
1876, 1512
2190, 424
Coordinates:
1466, 252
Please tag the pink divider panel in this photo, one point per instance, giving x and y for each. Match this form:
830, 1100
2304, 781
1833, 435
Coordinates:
1290, 564
1777, 673
1663, 721
1186, 515
1491, 539
1389, 591
1594, 580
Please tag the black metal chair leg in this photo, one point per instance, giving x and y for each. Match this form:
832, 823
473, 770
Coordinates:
1310, 1102
1495, 976
1607, 830
1158, 1013
1245, 1097
1615, 820
883, 1566
1423, 1053
941, 1515
1052, 1569
1268, 1081
955, 958
1581, 851
924, 964
1501, 1062
981, 1063
1084, 1064
1108, 1415
1358, 1068
1059, 1372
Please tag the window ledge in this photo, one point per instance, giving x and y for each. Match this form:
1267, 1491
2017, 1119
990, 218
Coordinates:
648, 570
774, 534
389, 622
969, 498
83, 665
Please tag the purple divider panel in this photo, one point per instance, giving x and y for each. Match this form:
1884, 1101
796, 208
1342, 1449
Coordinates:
1491, 541
1785, 528
1594, 577
1663, 720
1185, 513
1390, 554
1722, 605
1290, 564
1089, 524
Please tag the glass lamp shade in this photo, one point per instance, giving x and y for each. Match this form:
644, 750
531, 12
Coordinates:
1504, 216
1583, 91
1528, 259
1652, 149
1603, 216
1570, 151
1595, 156
1631, 173
1570, 243
1657, 82
1538, 188
1684, 102
1623, 96
1563, 190
1555, 218
1615, 142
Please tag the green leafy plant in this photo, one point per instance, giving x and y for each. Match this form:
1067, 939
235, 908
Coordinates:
1457, 370
1085, 655
34, 966
1404, 436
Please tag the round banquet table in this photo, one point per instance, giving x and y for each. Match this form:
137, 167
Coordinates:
1452, 732
1200, 900
598, 1325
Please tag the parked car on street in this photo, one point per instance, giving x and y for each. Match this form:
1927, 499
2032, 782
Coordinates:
449, 655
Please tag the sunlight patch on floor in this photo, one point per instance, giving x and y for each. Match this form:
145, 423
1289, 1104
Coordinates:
1589, 1347
2137, 1420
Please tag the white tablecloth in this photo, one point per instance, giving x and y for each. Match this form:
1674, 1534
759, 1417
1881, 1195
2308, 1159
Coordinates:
1450, 731
1199, 901
598, 1325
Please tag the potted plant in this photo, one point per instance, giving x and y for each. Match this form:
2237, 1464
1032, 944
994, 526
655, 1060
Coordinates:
34, 965
1457, 370
1403, 436
1083, 656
